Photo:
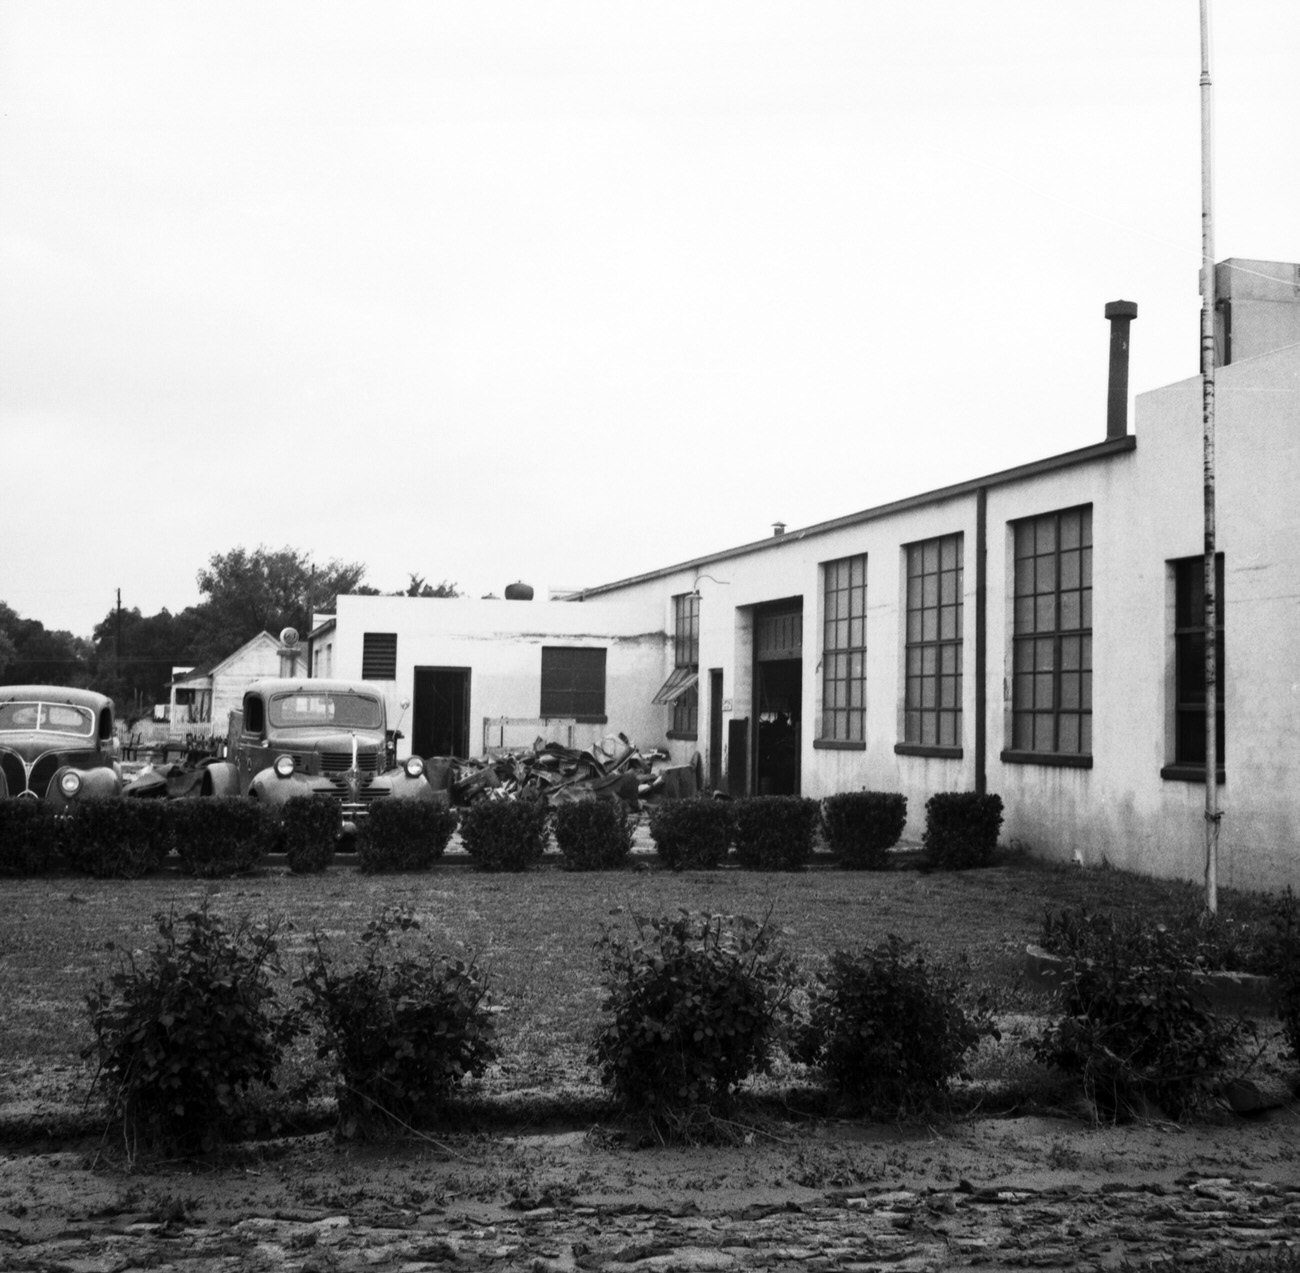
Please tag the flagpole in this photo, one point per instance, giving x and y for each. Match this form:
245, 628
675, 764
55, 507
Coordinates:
1212, 814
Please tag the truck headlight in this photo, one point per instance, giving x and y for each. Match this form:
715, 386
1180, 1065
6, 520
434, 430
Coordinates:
414, 767
70, 783
284, 766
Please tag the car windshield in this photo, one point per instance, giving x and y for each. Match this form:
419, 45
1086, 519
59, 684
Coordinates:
57, 718
345, 711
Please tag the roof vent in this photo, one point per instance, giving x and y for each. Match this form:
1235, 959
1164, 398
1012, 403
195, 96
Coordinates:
778, 528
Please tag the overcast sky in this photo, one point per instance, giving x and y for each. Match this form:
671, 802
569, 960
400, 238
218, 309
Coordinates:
564, 292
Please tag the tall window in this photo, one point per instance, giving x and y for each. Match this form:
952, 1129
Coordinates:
686, 657
379, 656
573, 682
844, 650
1051, 697
932, 700
1189, 660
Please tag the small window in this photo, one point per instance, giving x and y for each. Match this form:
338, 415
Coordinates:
573, 682
379, 656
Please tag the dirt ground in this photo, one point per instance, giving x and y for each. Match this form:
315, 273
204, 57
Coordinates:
1043, 1191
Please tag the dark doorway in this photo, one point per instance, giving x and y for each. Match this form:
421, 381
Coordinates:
440, 715
780, 696
715, 728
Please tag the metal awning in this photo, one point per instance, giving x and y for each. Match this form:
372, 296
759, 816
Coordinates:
676, 685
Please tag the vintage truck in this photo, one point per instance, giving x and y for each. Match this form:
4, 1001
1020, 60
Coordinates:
57, 745
306, 736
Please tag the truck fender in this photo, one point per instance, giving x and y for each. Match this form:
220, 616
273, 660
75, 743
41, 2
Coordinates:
274, 792
220, 779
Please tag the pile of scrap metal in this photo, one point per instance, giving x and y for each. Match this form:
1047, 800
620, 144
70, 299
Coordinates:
614, 769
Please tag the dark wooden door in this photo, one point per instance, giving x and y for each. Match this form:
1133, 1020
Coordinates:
440, 712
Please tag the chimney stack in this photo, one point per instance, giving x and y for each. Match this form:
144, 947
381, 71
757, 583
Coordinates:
1120, 314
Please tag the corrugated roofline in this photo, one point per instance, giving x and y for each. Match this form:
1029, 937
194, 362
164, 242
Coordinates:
1097, 451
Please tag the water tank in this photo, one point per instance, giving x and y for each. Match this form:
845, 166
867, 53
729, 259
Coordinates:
519, 592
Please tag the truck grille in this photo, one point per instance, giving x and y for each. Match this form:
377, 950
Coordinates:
339, 762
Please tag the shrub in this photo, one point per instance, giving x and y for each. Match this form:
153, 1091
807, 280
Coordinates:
117, 839
593, 834
181, 1036
695, 1004
862, 826
309, 832
775, 833
31, 837
221, 835
402, 1028
961, 829
403, 835
1135, 1034
1283, 954
888, 1030
506, 834
694, 833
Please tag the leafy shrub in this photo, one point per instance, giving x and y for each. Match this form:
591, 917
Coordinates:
403, 835
31, 837
961, 829
402, 1028
505, 835
862, 826
888, 1030
1135, 1033
309, 832
117, 839
593, 834
694, 833
695, 1004
181, 1036
220, 835
1283, 956
775, 833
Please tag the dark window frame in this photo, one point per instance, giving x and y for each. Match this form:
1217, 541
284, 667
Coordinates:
932, 669
686, 653
573, 680
1052, 622
844, 651
1188, 741
379, 656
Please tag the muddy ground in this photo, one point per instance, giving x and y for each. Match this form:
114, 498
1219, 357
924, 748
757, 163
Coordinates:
1011, 1190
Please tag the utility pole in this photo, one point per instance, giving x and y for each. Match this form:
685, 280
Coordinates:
1213, 816
117, 646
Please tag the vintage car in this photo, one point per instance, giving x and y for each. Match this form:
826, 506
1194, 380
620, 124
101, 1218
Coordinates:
57, 744
302, 737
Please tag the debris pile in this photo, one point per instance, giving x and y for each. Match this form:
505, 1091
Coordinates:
614, 769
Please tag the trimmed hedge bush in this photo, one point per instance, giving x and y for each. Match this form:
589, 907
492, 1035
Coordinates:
221, 835
309, 832
888, 1030
696, 1003
693, 834
961, 829
31, 838
775, 833
505, 835
403, 835
117, 839
862, 826
593, 835
402, 1027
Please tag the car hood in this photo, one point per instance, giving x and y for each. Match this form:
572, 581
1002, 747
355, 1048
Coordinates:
331, 740
71, 747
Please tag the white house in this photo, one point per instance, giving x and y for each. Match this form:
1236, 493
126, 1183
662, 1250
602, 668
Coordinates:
1031, 632
207, 695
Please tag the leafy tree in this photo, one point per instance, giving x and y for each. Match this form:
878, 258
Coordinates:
32, 654
419, 588
138, 667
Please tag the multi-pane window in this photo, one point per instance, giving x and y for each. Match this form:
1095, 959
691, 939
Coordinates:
1189, 660
379, 656
1051, 697
573, 681
932, 699
686, 656
844, 649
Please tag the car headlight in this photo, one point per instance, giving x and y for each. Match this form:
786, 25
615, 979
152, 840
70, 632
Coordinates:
284, 766
414, 766
70, 783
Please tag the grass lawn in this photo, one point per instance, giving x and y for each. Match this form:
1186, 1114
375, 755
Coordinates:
533, 934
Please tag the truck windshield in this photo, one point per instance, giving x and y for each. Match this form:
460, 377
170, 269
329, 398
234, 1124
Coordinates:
59, 718
344, 711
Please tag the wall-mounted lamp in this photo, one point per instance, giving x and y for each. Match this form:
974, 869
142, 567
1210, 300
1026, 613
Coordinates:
695, 585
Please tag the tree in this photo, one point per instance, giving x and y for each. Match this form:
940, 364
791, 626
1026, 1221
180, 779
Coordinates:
134, 654
250, 592
34, 655
418, 588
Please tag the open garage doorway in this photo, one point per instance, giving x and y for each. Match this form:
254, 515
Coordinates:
778, 698
440, 712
